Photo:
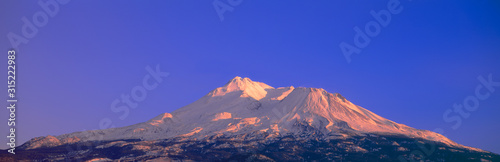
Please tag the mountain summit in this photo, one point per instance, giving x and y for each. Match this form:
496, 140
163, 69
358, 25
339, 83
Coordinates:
245, 110
256, 90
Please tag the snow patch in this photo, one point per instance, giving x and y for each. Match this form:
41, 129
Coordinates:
160, 119
222, 115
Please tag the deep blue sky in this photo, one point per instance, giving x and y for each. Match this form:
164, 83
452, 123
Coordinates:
91, 52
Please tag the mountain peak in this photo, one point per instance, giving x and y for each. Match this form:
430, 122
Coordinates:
249, 88
239, 82
236, 78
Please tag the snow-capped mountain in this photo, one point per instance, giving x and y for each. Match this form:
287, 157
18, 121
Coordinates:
246, 110
243, 106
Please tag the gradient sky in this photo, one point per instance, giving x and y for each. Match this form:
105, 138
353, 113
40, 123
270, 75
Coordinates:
91, 52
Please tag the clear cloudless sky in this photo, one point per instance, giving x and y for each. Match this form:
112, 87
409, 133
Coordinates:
426, 59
